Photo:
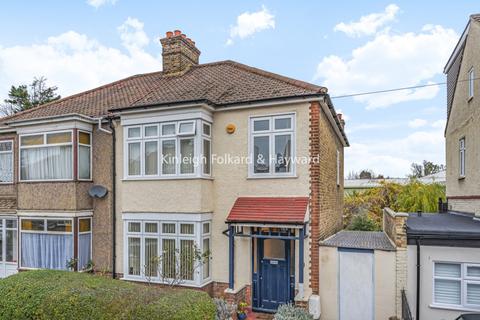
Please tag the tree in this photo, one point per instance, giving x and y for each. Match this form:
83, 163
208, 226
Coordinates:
366, 174
426, 168
24, 97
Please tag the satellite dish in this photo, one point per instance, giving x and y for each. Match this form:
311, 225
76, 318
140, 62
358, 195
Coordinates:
97, 191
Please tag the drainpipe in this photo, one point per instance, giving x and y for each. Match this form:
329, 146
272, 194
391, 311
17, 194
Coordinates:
417, 311
114, 183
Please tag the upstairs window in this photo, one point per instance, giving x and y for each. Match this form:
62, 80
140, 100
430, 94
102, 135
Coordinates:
462, 153
471, 83
271, 146
84, 155
6, 161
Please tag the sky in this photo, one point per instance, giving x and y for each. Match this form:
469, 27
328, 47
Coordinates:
348, 46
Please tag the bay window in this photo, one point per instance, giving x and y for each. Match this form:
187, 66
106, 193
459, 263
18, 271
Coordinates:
456, 285
164, 251
272, 146
6, 161
84, 155
169, 149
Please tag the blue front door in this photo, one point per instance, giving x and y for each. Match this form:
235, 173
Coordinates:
274, 279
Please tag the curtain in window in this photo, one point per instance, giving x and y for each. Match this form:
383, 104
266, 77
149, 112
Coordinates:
46, 163
83, 162
84, 249
151, 254
186, 154
473, 294
6, 167
187, 255
206, 265
46, 251
134, 256
11, 246
448, 291
168, 258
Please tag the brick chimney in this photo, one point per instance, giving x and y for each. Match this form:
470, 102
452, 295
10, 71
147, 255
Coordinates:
179, 53
340, 118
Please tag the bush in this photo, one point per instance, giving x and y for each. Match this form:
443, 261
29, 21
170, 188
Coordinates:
290, 312
47, 294
224, 309
362, 223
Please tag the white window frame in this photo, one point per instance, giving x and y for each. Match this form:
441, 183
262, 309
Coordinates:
78, 154
84, 232
3, 237
13, 160
462, 156
464, 280
471, 83
198, 220
271, 133
188, 133
44, 145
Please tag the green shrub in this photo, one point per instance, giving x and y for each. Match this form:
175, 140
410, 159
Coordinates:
290, 312
362, 223
56, 295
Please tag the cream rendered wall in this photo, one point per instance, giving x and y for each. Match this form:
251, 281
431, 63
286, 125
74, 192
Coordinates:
465, 122
329, 283
385, 287
429, 254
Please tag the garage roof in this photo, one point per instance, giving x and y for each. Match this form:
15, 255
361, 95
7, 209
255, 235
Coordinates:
373, 240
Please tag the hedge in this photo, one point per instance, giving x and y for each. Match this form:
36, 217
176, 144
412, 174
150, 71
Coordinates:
56, 295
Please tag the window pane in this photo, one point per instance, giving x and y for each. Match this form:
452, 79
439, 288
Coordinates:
261, 154
134, 159
447, 270
206, 129
46, 163
5, 146
46, 250
168, 129
134, 132
168, 258
84, 225
83, 137
151, 227
6, 167
206, 265
134, 227
187, 259
84, 162
168, 228
168, 157
447, 291
151, 158
473, 293
33, 224
59, 225
84, 250
151, 257
186, 155
134, 256
206, 228
283, 153
151, 131
283, 123
207, 156
186, 127
31, 140
473, 271
11, 224
61, 137
261, 125
187, 228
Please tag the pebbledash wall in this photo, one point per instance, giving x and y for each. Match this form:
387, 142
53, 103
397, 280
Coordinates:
463, 193
217, 195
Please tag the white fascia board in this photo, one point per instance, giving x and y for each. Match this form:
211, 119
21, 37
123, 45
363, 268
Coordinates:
456, 51
54, 214
162, 115
176, 216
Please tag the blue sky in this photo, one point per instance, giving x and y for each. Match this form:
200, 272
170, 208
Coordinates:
349, 46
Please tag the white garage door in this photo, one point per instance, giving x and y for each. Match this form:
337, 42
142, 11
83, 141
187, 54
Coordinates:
356, 284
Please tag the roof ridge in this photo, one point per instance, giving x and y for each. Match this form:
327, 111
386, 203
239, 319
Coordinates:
111, 84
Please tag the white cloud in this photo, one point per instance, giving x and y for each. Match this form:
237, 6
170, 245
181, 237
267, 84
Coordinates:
417, 123
132, 34
369, 24
99, 3
392, 157
439, 124
74, 62
390, 61
251, 23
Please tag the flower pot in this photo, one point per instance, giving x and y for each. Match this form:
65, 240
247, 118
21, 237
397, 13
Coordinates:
241, 316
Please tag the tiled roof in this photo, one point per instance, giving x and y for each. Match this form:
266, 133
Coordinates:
275, 210
219, 83
374, 240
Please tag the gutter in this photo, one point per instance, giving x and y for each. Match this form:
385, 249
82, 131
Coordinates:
114, 195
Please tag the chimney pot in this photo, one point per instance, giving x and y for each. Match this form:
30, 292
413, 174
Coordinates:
339, 115
184, 36
177, 32
169, 34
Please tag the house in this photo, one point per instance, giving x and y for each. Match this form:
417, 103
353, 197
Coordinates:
219, 157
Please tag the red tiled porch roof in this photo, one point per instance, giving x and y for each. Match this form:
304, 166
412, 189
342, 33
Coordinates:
275, 210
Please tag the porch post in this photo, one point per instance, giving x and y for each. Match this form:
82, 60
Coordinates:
231, 257
300, 261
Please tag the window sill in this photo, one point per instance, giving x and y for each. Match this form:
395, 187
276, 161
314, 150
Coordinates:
166, 178
271, 177
6, 183
453, 308
185, 284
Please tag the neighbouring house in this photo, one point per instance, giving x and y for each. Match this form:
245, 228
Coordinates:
219, 157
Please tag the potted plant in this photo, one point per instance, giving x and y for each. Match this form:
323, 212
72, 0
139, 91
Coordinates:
242, 310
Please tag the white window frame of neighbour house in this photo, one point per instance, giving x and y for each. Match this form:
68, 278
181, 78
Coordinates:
7, 153
271, 133
198, 237
45, 145
89, 146
196, 134
471, 83
462, 156
464, 280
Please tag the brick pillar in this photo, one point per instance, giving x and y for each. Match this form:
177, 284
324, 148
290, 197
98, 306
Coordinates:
314, 205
